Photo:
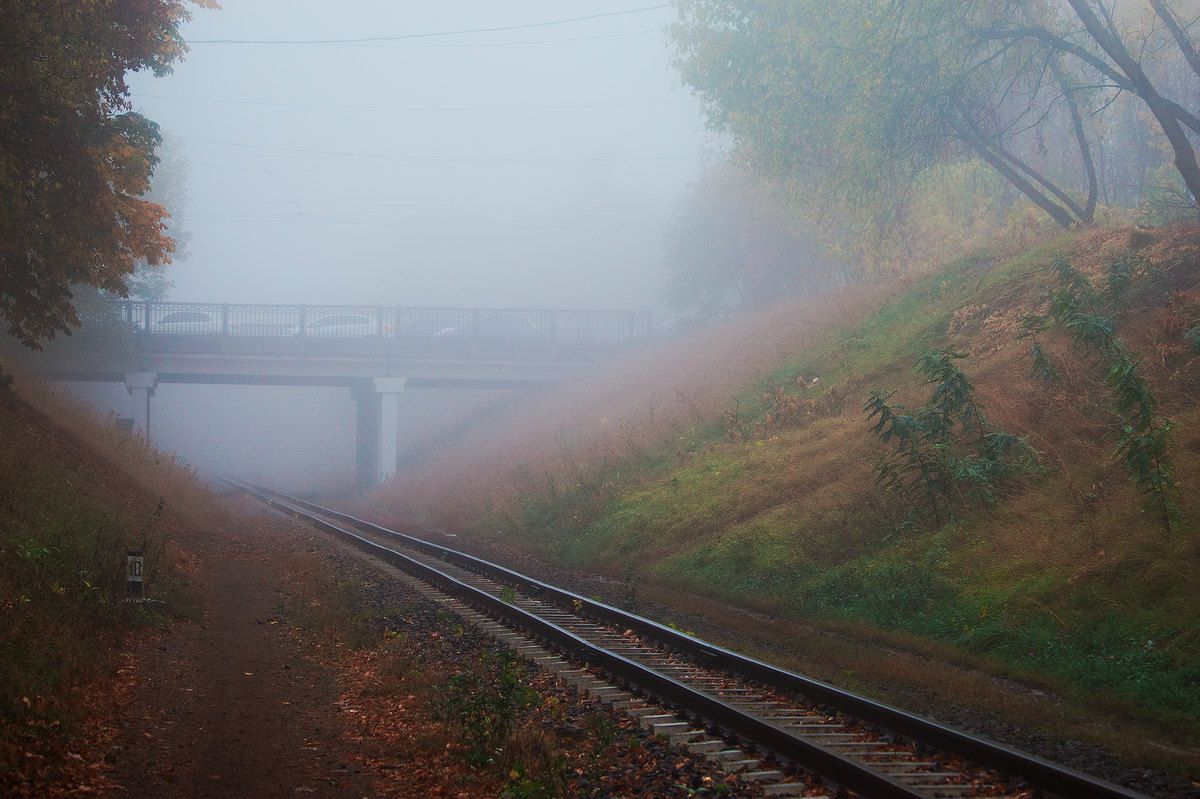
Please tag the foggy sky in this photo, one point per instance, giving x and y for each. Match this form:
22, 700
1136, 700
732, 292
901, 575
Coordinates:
427, 207
562, 207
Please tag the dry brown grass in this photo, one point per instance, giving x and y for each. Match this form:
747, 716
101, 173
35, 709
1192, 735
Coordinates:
1091, 515
598, 419
158, 473
595, 423
74, 497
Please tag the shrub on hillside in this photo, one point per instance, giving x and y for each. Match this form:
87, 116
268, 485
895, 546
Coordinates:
946, 453
1088, 315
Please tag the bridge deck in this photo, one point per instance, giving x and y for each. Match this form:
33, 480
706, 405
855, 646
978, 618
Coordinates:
346, 345
445, 328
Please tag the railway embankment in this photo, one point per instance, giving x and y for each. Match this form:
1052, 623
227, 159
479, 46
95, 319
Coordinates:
75, 498
1045, 537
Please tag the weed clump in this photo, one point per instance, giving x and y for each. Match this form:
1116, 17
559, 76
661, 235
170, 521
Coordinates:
483, 703
946, 453
1144, 431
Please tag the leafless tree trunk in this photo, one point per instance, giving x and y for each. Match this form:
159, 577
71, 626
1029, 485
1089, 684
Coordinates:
1088, 213
1177, 32
989, 151
1184, 154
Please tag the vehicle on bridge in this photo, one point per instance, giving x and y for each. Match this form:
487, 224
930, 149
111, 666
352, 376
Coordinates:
347, 326
188, 323
501, 328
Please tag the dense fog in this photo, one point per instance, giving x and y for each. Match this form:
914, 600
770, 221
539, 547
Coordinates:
697, 160
529, 167
534, 167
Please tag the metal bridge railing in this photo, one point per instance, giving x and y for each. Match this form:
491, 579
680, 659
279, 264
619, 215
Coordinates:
387, 322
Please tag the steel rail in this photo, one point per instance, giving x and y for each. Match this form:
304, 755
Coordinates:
1047, 775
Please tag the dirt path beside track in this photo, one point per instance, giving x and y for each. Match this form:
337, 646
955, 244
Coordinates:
227, 705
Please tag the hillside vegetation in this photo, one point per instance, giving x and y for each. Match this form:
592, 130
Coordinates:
762, 492
74, 496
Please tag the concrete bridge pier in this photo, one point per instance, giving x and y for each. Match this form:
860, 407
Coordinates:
389, 390
378, 429
140, 386
366, 434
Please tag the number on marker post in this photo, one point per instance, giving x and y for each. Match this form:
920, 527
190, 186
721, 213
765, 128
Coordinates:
134, 565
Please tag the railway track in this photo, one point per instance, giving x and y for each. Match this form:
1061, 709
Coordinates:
759, 720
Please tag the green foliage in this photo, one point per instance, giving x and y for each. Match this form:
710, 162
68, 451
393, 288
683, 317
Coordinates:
1098, 635
1125, 267
522, 786
1145, 431
602, 728
861, 102
795, 80
483, 703
1043, 367
946, 452
1165, 199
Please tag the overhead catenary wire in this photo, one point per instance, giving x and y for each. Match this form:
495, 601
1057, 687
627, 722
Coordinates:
445, 205
432, 34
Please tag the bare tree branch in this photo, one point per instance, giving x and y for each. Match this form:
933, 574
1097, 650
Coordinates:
1177, 32
1085, 151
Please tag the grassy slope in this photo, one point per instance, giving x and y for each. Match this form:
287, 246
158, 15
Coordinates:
67, 515
1067, 580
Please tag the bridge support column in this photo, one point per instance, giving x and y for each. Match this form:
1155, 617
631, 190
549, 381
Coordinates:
389, 390
140, 386
366, 433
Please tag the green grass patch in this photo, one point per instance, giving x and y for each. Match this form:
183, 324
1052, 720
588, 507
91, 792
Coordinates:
1035, 625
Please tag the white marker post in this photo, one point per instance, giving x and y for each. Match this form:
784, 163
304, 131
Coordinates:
133, 572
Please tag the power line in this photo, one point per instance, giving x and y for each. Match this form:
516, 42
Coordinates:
457, 159
298, 152
444, 205
519, 43
431, 108
398, 224
431, 35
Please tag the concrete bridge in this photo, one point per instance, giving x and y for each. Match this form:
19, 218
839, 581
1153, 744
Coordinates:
377, 352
